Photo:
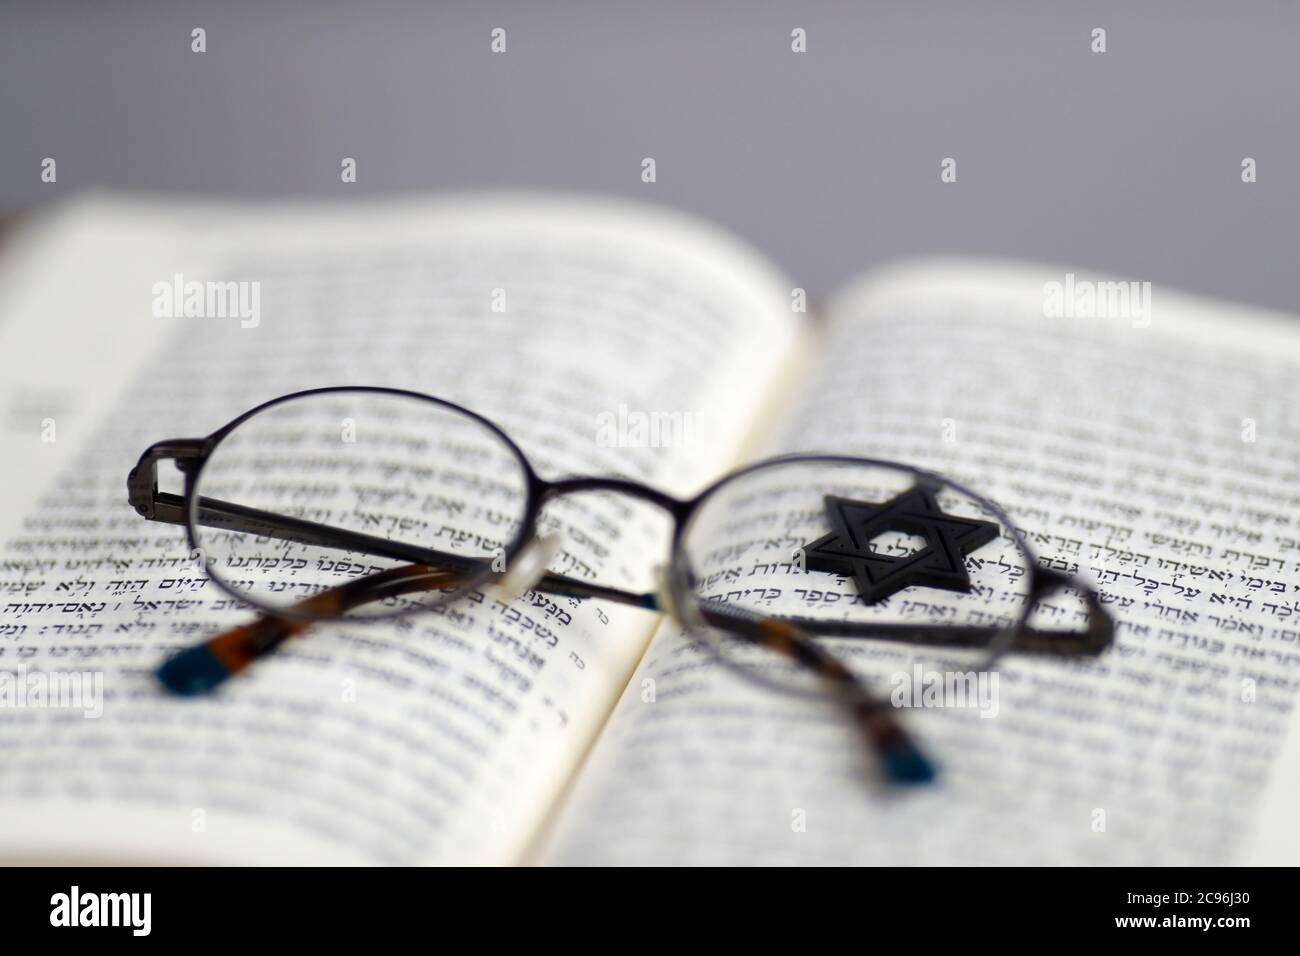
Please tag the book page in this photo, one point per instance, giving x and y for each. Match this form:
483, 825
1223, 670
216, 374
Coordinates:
1157, 455
444, 737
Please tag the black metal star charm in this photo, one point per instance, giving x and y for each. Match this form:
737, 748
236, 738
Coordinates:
940, 564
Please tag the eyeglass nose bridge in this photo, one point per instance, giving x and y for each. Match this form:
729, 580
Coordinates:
661, 598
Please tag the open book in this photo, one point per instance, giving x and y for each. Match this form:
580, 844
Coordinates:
1153, 449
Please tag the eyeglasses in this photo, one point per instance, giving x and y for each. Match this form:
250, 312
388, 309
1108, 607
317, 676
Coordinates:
370, 503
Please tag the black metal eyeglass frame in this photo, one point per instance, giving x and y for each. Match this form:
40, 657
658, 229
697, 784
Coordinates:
201, 669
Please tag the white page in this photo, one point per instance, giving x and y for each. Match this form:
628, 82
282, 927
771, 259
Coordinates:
443, 748
1123, 448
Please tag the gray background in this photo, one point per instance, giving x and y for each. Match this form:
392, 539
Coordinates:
828, 161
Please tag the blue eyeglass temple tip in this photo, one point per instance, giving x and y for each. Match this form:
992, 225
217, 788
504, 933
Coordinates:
904, 763
193, 671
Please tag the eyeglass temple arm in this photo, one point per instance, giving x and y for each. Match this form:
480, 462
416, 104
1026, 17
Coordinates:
902, 760
164, 506
202, 668
1098, 632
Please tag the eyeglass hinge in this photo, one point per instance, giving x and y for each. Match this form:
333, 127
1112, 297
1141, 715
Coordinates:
142, 482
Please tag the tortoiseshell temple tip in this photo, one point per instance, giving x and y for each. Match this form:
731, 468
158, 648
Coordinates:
194, 671
904, 763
